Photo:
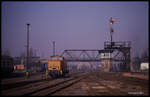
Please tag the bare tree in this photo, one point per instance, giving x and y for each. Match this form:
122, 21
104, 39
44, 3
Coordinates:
144, 56
136, 62
32, 52
22, 54
6, 52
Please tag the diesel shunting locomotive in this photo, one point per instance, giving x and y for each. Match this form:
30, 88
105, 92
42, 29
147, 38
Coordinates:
57, 66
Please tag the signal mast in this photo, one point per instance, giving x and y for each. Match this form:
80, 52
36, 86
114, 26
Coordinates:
112, 20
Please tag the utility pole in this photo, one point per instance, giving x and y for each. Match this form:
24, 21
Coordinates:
53, 48
27, 63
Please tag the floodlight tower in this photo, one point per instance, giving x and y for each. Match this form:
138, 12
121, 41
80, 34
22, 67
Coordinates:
27, 63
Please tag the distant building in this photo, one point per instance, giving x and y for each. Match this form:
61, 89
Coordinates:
105, 63
72, 67
20, 63
105, 55
7, 63
44, 60
22, 60
144, 66
35, 59
83, 66
18, 60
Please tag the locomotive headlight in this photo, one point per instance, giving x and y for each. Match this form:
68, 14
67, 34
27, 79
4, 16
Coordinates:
61, 72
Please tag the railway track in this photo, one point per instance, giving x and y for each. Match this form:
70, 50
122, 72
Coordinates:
10, 84
121, 85
33, 88
20, 82
58, 86
98, 86
90, 86
113, 89
97, 83
105, 84
118, 76
8, 81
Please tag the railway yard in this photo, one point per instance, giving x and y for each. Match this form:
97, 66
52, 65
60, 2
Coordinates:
120, 68
91, 83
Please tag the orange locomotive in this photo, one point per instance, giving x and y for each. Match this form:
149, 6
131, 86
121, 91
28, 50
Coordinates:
57, 66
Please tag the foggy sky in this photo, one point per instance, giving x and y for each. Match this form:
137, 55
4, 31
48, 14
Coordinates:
72, 25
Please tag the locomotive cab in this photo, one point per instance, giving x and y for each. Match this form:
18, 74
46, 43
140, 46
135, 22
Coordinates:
57, 66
